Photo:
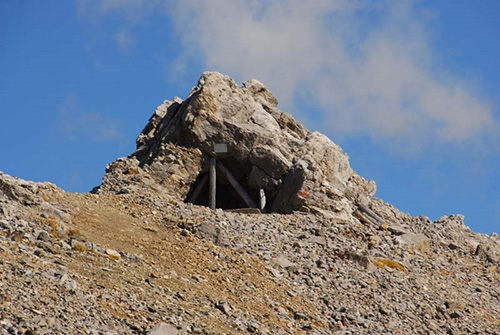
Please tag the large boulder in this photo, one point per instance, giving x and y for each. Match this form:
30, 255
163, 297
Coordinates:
267, 149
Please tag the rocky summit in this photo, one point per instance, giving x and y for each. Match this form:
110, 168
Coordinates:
298, 170
231, 217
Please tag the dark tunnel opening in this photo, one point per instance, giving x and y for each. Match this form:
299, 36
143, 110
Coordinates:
226, 195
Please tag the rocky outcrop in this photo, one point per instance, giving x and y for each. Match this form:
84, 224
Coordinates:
18, 197
136, 258
267, 149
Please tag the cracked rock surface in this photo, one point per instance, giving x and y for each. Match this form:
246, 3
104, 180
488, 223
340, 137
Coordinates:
268, 149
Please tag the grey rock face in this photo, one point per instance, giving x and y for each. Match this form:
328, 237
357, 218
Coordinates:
267, 149
163, 329
487, 253
413, 240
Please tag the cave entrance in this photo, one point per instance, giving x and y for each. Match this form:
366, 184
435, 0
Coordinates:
225, 185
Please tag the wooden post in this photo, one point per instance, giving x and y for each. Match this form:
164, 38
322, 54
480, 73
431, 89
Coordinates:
370, 215
213, 181
241, 191
262, 198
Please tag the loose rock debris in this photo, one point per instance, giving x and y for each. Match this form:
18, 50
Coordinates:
330, 258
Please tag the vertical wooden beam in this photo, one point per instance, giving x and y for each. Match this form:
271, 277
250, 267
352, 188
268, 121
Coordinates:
241, 191
262, 198
213, 181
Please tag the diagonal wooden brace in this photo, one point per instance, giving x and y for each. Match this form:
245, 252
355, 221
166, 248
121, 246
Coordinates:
241, 191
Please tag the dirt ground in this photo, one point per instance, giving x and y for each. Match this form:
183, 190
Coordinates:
186, 273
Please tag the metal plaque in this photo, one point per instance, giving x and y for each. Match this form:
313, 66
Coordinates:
220, 148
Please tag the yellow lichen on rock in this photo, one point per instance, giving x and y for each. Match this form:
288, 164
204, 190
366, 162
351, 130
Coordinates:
51, 221
382, 263
80, 247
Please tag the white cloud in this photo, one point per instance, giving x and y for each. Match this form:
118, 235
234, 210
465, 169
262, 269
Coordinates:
77, 125
368, 65
124, 39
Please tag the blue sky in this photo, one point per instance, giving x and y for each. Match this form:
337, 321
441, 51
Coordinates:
408, 88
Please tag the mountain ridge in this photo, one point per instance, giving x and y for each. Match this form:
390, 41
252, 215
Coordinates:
136, 256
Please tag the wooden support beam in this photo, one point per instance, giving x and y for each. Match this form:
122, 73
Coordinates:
243, 194
262, 198
213, 182
196, 192
365, 213
244, 210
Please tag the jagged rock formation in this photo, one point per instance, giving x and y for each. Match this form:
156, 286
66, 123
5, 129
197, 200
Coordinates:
135, 258
268, 149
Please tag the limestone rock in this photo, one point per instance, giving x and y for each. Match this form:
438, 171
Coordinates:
488, 253
113, 254
260, 91
163, 328
419, 242
284, 262
211, 232
267, 149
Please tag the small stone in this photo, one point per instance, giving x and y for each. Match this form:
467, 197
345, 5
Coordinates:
151, 229
337, 326
299, 316
63, 279
284, 263
163, 328
77, 245
374, 240
433, 325
253, 326
276, 273
43, 236
418, 242
113, 254
321, 240
487, 253
224, 307
363, 260
209, 231
282, 311
383, 310
397, 229
350, 317
46, 247
137, 327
